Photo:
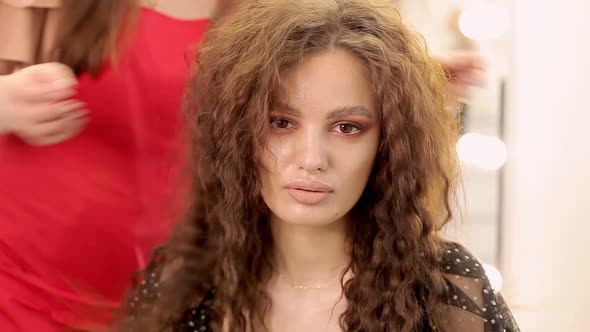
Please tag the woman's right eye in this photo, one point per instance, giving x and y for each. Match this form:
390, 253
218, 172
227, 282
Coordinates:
280, 123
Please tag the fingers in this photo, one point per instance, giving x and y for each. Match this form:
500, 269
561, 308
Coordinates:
471, 78
63, 136
56, 127
457, 62
47, 95
464, 82
55, 111
46, 83
56, 74
469, 60
41, 106
48, 92
55, 131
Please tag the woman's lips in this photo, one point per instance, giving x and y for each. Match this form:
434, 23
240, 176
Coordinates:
308, 192
308, 197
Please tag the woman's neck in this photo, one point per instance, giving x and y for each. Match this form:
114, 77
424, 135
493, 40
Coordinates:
310, 255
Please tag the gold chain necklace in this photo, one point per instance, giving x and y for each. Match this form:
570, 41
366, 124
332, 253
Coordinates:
303, 287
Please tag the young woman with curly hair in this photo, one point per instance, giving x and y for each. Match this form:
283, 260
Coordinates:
324, 167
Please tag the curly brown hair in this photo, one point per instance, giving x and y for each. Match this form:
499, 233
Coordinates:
224, 242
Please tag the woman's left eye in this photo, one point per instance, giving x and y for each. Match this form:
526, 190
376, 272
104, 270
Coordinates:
347, 128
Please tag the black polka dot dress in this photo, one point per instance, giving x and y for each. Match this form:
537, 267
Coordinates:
472, 304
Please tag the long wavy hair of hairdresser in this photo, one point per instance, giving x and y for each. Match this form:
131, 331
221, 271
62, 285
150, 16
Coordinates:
90, 31
225, 240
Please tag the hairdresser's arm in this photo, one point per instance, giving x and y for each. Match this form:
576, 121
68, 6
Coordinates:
465, 69
36, 104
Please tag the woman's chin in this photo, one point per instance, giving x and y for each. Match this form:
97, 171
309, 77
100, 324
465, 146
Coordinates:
308, 216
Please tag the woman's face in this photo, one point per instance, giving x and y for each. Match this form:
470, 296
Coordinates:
323, 141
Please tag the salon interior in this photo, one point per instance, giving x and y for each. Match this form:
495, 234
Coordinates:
524, 149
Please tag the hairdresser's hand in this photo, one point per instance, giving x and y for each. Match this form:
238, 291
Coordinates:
465, 70
36, 104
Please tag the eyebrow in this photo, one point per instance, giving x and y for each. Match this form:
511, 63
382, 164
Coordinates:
336, 113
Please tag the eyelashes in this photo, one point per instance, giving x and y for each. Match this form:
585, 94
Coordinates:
349, 128
280, 123
345, 128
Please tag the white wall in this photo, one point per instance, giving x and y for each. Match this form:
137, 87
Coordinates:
546, 248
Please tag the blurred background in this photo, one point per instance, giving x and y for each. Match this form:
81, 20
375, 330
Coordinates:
524, 149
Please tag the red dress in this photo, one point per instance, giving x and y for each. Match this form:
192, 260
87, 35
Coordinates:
78, 218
